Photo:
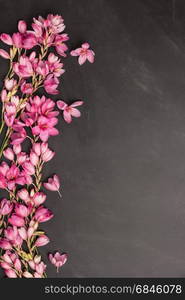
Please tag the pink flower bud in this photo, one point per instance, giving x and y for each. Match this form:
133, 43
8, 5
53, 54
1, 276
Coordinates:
17, 264
4, 54
36, 148
28, 168
32, 264
8, 153
10, 273
22, 27
27, 274
47, 155
34, 158
5, 244
6, 38
40, 268
3, 95
5, 207
43, 214
17, 149
39, 198
30, 232
6, 257
44, 147
16, 220
21, 210
37, 259
21, 158
23, 195
42, 241
9, 84
26, 88
23, 233
5, 265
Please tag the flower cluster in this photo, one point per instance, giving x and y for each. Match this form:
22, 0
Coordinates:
31, 119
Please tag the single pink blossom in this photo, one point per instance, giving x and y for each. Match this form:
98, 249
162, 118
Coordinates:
53, 184
38, 198
11, 273
6, 207
23, 68
42, 241
58, 260
10, 84
84, 54
5, 244
26, 88
6, 38
21, 210
8, 153
51, 84
43, 214
12, 234
45, 128
69, 110
16, 220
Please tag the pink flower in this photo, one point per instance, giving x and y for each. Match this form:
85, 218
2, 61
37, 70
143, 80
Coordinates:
10, 84
10, 176
4, 54
50, 84
47, 155
45, 128
42, 68
23, 68
84, 54
59, 44
42, 241
43, 214
21, 158
26, 88
34, 158
23, 233
5, 244
23, 195
40, 269
5, 207
8, 153
28, 167
21, 210
16, 220
38, 199
6, 38
54, 65
12, 234
69, 110
22, 27
53, 184
19, 135
58, 260
10, 273
10, 114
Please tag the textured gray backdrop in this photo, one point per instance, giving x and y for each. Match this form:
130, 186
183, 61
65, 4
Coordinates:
122, 164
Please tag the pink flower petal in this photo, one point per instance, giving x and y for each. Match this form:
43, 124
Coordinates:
82, 59
67, 117
75, 112
76, 103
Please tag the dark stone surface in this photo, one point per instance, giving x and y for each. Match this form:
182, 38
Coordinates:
122, 164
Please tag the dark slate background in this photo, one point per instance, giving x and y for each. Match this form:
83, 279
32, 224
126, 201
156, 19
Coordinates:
122, 165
